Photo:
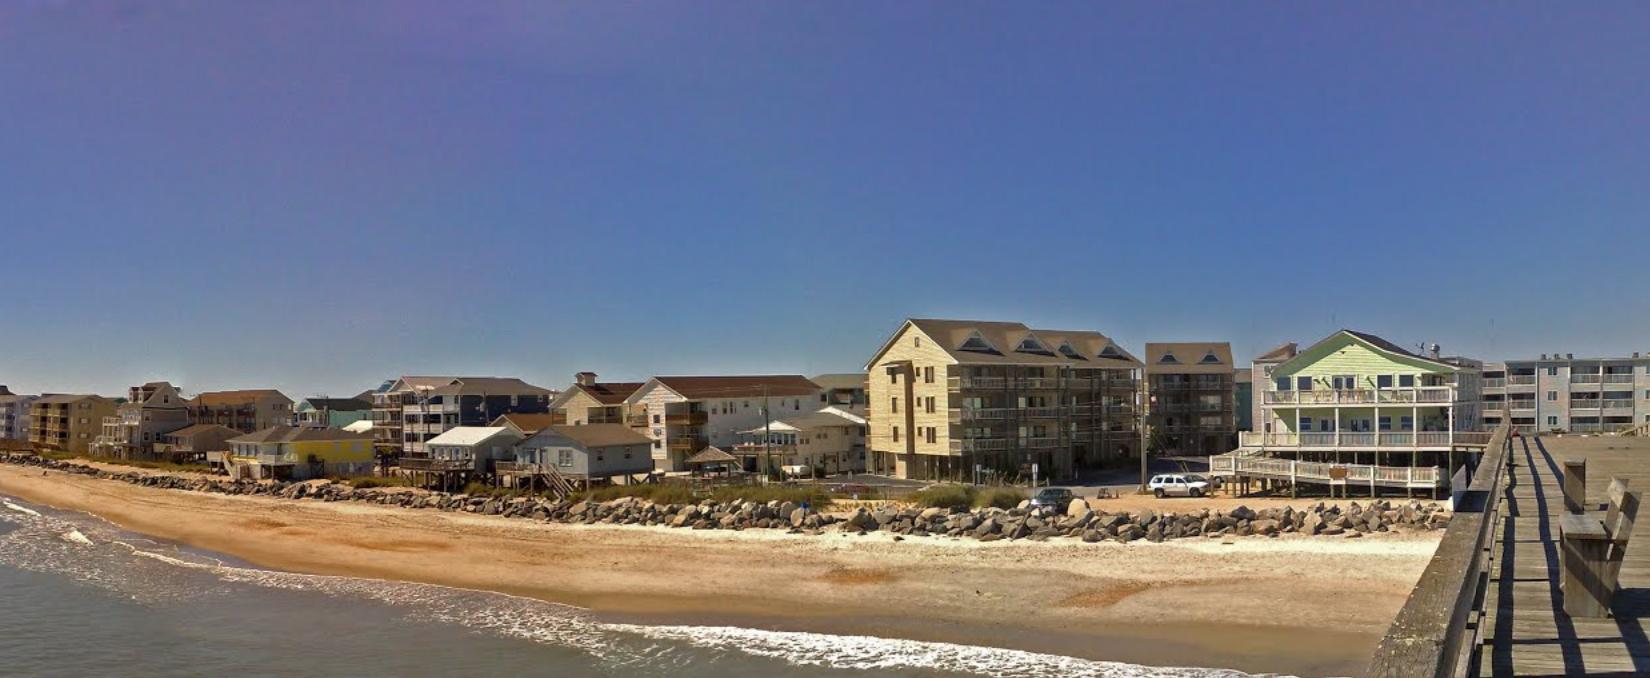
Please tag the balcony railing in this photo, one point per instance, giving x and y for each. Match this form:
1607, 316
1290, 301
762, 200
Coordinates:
1499, 382
419, 463
1615, 404
1360, 439
1586, 379
1586, 428
1618, 379
1521, 380
1033, 383
687, 418
979, 444
1591, 404
1520, 404
1361, 396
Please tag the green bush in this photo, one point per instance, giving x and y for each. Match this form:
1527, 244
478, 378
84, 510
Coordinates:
1000, 497
944, 496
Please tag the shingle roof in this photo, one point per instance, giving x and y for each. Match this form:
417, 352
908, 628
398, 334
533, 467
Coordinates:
240, 397
711, 455
1281, 353
1393, 348
1005, 339
491, 386
198, 429
608, 392
600, 435
64, 398
528, 423
1189, 358
847, 380
743, 386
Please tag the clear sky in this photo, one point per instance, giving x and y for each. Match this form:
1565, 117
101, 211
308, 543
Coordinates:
317, 195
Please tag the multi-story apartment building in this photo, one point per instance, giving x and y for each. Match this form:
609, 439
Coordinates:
245, 410
589, 401
323, 412
683, 415
14, 415
1355, 396
1192, 387
150, 412
1568, 394
427, 412
67, 422
389, 401
849, 390
828, 441
950, 399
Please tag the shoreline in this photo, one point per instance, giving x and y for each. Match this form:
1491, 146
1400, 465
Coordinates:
1150, 604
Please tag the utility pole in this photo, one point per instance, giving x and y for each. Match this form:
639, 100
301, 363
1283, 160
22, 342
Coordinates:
1145, 412
767, 436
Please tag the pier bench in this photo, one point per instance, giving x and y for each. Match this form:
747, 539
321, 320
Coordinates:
1593, 547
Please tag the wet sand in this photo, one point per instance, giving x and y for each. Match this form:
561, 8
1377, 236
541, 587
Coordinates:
1300, 605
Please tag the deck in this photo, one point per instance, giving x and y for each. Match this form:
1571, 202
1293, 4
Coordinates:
1526, 632
1326, 473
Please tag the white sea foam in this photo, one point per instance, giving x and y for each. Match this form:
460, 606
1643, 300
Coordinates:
75, 537
21, 509
884, 654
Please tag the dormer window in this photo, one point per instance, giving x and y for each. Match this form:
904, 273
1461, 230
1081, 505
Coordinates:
1209, 359
1069, 352
1031, 345
1110, 352
1168, 359
978, 344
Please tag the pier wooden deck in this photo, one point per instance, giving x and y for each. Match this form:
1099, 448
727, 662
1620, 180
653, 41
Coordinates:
1525, 630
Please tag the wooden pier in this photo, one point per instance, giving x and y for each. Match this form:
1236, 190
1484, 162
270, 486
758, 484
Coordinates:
1490, 602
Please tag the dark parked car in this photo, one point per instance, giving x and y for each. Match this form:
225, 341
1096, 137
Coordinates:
1053, 498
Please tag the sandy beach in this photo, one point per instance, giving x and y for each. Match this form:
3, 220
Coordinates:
1301, 605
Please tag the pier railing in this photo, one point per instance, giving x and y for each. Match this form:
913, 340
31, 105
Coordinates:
1437, 633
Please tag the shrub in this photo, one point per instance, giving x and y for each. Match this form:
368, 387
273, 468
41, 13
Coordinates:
944, 496
1000, 497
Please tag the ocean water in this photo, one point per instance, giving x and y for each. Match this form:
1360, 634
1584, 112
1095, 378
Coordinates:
80, 597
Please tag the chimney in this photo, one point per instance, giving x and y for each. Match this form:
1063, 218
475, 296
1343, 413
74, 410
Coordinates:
1569, 356
585, 378
1433, 352
1635, 357
1543, 356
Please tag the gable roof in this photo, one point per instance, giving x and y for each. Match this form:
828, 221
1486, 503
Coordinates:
1374, 342
491, 386
65, 398
844, 380
1189, 358
604, 392
240, 397
1280, 353
809, 422
597, 435
1006, 337
528, 424
740, 386
711, 455
198, 429
469, 435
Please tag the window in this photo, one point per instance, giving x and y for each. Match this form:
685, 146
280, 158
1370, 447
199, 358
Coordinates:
931, 434
1385, 423
1069, 352
564, 458
930, 404
1303, 383
1110, 352
893, 376
1306, 424
1210, 359
655, 418
916, 341
1168, 359
1383, 381
896, 434
1283, 383
893, 405
1552, 421
1406, 423
657, 444
1406, 381
1552, 396
1552, 371
977, 344
1344, 382
928, 375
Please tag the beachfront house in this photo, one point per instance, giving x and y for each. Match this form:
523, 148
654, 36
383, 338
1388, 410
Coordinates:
199, 443
150, 411
683, 415
298, 453
246, 410
461, 454
579, 455
331, 412
589, 401
1357, 398
830, 440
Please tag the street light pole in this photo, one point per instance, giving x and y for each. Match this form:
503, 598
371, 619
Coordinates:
1145, 412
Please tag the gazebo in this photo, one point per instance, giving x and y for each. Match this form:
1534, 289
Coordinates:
711, 456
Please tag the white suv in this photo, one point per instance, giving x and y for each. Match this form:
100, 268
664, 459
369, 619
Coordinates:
1179, 485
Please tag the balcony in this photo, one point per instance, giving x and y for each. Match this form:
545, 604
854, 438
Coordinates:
1589, 404
979, 445
425, 463
685, 443
1042, 412
1500, 382
1362, 396
962, 414
1616, 404
1618, 380
1520, 405
1366, 440
1521, 380
636, 421
686, 418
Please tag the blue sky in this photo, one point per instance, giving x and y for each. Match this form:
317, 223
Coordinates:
317, 195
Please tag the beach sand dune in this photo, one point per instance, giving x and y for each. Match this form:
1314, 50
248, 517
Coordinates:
1309, 606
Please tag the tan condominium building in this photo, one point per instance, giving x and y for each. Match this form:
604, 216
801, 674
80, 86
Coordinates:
682, 416
589, 401
68, 422
1192, 391
246, 410
962, 399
